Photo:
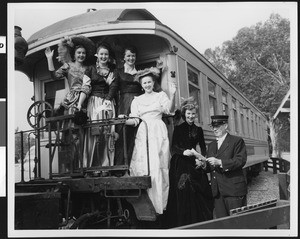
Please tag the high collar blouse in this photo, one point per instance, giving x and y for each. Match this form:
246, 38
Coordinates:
187, 136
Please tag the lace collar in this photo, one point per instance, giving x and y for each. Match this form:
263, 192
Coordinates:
102, 71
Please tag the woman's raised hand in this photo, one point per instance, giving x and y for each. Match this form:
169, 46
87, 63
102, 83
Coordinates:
173, 88
48, 52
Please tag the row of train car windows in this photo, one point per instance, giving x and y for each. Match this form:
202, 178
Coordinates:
243, 121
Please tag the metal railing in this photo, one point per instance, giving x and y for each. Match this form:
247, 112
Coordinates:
23, 155
58, 120
277, 164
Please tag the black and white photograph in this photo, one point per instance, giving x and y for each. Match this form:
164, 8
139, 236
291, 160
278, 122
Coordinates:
148, 119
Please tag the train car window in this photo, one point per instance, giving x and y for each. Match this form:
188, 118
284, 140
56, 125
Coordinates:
243, 130
251, 124
194, 90
211, 88
224, 103
50, 90
256, 126
212, 98
247, 122
193, 76
259, 128
235, 116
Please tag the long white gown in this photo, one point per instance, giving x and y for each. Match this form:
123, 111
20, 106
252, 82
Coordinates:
151, 110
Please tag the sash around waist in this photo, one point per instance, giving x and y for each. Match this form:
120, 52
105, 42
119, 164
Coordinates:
101, 94
151, 118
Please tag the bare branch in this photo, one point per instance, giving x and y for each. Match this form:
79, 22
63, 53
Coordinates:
270, 72
277, 69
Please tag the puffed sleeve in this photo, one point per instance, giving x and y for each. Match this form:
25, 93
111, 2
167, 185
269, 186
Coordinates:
86, 85
164, 102
61, 73
87, 79
134, 111
89, 71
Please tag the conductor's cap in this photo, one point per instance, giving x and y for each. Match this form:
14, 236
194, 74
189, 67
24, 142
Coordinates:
217, 120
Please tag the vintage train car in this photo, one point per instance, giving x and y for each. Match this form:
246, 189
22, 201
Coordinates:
194, 76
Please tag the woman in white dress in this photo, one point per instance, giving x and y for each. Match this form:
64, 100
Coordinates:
150, 107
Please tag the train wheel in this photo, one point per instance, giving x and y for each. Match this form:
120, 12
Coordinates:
129, 219
36, 112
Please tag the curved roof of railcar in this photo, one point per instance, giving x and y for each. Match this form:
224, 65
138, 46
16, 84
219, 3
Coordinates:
82, 22
91, 20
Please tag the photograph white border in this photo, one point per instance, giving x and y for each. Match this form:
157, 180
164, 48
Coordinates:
142, 233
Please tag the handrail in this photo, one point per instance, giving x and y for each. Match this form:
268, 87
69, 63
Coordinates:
277, 164
32, 131
89, 124
29, 159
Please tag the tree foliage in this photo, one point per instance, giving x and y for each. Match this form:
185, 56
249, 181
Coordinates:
28, 141
257, 62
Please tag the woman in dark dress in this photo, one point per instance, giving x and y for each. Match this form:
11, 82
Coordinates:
100, 106
190, 198
128, 89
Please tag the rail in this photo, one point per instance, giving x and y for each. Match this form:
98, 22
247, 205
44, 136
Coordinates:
23, 134
66, 119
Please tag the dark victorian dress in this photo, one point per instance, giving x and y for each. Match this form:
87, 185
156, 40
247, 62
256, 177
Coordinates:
190, 197
98, 150
128, 89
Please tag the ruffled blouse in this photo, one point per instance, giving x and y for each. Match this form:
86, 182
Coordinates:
74, 76
99, 84
149, 108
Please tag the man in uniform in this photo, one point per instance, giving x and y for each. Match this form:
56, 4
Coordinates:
226, 157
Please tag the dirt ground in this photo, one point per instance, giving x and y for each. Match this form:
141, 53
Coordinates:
263, 187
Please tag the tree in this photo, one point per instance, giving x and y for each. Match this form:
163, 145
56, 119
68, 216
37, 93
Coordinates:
257, 62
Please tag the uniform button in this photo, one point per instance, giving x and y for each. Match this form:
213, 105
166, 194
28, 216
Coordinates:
214, 177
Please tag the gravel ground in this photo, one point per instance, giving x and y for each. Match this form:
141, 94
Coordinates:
263, 187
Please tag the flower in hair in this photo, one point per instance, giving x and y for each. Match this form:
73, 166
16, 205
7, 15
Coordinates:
63, 50
66, 40
188, 102
147, 71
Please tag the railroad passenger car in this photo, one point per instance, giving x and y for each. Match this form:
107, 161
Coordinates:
78, 195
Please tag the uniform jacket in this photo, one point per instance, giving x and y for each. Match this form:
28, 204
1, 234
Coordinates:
228, 180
